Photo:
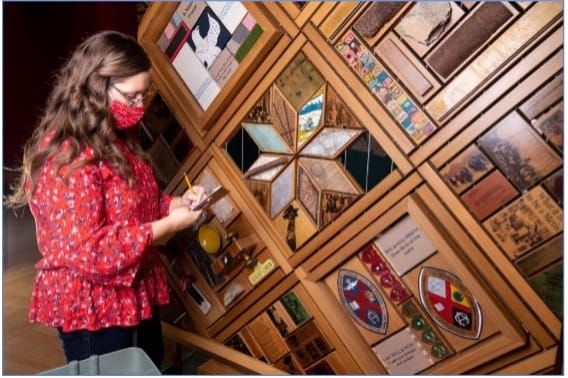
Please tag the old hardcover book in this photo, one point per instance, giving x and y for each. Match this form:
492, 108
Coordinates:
466, 169
551, 124
555, 185
526, 223
522, 155
489, 194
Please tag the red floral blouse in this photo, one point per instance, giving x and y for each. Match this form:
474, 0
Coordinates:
98, 268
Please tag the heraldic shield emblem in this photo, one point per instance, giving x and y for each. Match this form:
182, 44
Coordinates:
449, 303
363, 301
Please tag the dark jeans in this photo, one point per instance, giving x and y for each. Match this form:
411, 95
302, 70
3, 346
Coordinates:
79, 345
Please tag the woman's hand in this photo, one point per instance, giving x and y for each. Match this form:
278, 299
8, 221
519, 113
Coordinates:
180, 215
192, 197
178, 219
182, 218
188, 199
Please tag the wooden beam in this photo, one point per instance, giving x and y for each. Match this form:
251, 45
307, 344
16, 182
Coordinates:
218, 352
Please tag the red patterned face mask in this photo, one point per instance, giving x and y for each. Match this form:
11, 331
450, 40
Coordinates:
125, 116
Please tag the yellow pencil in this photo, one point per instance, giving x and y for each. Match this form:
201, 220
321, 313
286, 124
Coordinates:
188, 183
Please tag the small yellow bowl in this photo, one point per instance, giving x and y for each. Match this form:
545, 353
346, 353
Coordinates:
209, 239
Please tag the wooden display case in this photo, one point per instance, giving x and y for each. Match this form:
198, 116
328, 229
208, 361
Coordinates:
292, 334
373, 147
271, 156
211, 283
538, 164
408, 258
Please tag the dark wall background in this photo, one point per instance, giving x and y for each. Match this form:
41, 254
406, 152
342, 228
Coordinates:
37, 39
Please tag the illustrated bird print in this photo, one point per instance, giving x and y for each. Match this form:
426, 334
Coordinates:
206, 47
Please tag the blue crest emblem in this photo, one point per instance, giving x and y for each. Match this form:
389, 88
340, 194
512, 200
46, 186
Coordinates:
363, 301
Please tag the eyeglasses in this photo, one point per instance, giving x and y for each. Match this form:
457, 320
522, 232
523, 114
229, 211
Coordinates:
132, 100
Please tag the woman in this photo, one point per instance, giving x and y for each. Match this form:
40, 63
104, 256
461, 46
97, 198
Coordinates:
97, 207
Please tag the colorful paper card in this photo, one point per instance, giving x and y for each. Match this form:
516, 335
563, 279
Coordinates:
229, 12
224, 67
196, 77
401, 354
405, 245
190, 12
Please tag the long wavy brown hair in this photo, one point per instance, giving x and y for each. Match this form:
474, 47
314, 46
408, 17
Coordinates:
77, 110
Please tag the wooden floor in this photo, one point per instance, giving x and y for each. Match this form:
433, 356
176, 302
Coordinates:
27, 348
